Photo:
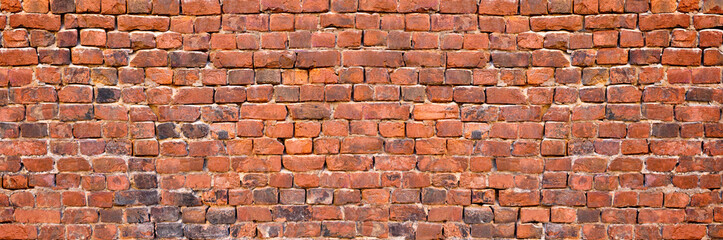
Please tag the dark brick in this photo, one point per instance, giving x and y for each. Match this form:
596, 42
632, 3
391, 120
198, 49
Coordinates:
137, 215
182, 199
62, 6
221, 215
144, 181
474, 215
433, 196
111, 215
405, 230
167, 130
291, 213
169, 230
266, 196
107, 95
132, 197
165, 214
195, 130
205, 231
187, 59
666, 130
34, 130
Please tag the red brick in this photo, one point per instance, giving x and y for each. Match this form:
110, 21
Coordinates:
684, 231
572, 23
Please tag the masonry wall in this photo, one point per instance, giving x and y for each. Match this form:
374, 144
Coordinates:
417, 119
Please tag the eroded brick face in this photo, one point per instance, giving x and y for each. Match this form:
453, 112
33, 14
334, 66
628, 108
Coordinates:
416, 119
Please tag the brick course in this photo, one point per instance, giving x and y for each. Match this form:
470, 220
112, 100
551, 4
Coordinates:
417, 119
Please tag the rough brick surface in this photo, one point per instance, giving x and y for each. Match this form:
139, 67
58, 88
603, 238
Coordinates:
416, 119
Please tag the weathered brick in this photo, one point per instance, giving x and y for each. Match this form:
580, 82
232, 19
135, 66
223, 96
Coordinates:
518, 118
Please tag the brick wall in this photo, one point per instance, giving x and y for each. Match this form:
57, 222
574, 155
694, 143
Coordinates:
361, 118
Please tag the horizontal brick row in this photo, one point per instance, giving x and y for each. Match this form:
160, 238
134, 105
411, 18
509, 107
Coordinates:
452, 129
358, 111
414, 22
325, 201
486, 7
316, 82
350, 229
344, 162
367, 58
324, 146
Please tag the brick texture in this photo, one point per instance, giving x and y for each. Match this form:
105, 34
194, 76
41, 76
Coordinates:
416, 119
